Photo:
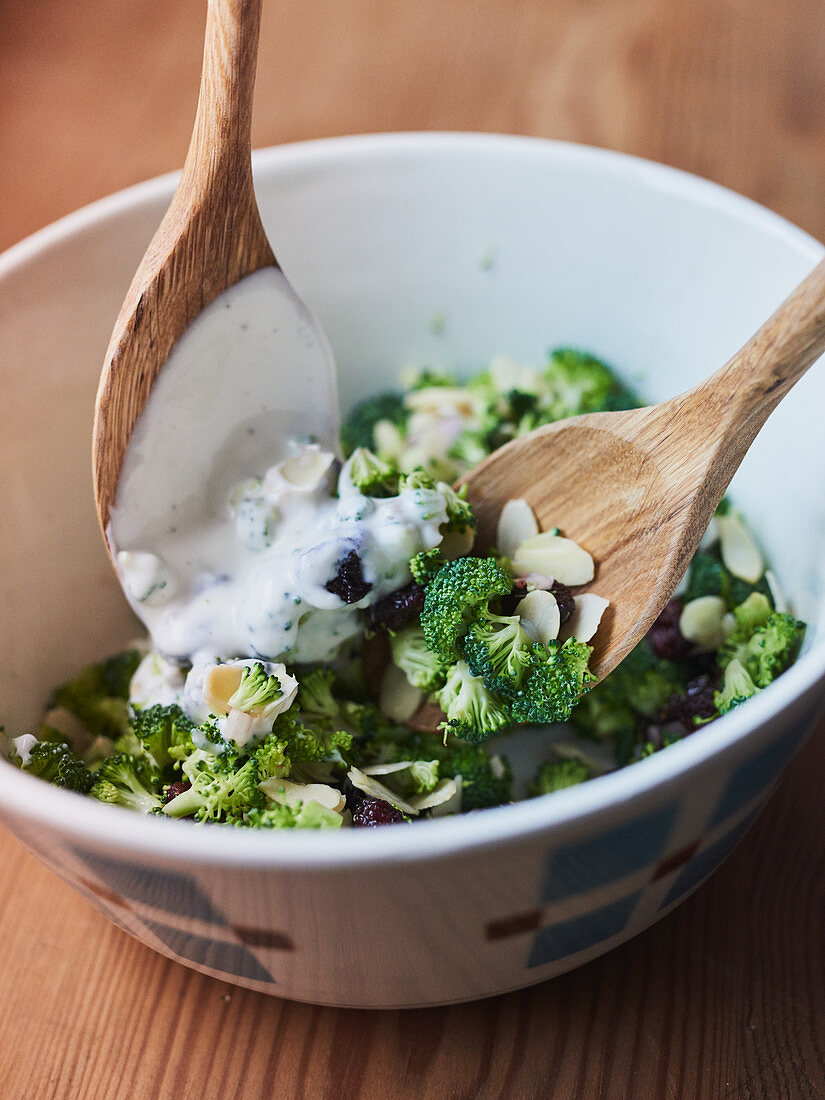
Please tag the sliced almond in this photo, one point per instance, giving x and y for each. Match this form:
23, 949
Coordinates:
777, 595
389, 442
441, 400
287, 793
554, 556
441, 794
508, 374
219, 684
539, 614
702, 621
740, 553
398, 698
516, 524
585, 617
372, 786
302, 472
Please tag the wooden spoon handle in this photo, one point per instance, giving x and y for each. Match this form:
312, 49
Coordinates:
221, 143
747, 389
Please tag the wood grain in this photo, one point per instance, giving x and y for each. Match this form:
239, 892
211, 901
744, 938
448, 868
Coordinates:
210, 238
722, 999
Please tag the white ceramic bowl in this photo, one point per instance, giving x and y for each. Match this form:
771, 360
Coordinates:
444, 249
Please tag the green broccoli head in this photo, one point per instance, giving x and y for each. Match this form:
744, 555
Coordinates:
555, 775
425, 564
271, 758
59, 764
98, 697
460, 516
315, 693
485, 780
764, 642
472, 712
498, 649
358, 428
737, 687
423, 668
219, 791
583, 384
130, 781
552, 688
164, 732
320, 741
707, 576
371, 475
452, 596
256, 690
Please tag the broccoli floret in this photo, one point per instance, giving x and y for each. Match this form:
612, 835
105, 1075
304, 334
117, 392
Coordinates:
460, 516
305, 744
98, 697
256, 690
453, 595
736, 688
485, 780
274, 816
425, 564
426, 377
423, 668
219, 790
498, 649
582, 384
130, 781
707, 576
59, 764
552, 688
472, 712
271, 758
587, 384
371, 475
764, 642
164, 732
634, 692
555, 775
315, 693
358, 428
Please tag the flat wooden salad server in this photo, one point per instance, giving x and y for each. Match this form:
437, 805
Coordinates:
638, 489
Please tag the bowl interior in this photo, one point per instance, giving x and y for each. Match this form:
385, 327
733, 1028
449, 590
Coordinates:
419, 249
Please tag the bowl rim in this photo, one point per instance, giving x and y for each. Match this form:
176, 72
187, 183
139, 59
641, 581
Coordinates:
105, 826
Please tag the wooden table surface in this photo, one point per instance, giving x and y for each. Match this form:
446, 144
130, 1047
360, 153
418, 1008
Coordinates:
726, 996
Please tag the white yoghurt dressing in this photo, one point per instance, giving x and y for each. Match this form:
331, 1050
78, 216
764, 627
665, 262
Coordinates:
224, 553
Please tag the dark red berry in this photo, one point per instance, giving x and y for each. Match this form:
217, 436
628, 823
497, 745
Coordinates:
665, 638
398, 609
695, 702
348, 583
374, 811
564, 598
174, 789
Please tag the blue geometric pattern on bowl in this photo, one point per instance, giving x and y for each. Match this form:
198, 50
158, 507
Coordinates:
708, 860
607, 856
220, 955
556, 941
173, 893
758, 772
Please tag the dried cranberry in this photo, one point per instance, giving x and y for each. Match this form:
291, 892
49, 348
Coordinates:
374, 811
398, 609
348, 583
665, 638
174, 789
695, 702
508, 605
564, 598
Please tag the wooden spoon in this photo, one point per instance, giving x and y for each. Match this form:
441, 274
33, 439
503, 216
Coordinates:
210, 239
638, 489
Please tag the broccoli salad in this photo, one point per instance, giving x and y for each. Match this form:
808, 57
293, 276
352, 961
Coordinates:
342, 612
